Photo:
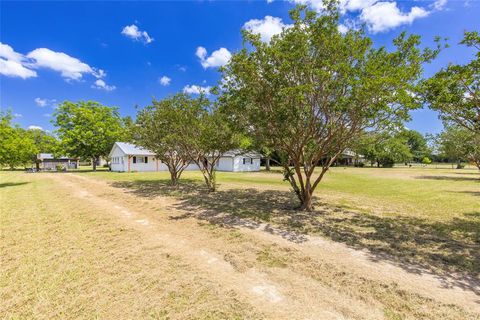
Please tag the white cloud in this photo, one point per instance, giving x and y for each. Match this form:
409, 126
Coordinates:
383, 16
164, 81
439, 4
15, 64
11, 68
355, 5
342, 28
45, 102
194, 89
218, 58
267, 27
136, 34
100, 84
41, 102
17, 115
12, 64
33, 127
379, 16
69, 67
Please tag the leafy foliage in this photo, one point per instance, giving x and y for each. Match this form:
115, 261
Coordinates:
455, 91
87, 129
158, 129
311, 90
459, 144
384, 148
16, 145
207, 134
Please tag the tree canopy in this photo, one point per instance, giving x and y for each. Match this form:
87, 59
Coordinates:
16, 145
311, 90
454, 91
458, 144
158, 129
384, 148
87, 129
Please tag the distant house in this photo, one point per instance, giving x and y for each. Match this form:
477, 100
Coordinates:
127, 157
102, 161
349, 158
46, 161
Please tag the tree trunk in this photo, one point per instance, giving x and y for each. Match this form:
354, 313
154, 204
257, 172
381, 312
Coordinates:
267, 164
210, 181
173, 178
306, 202
94, 164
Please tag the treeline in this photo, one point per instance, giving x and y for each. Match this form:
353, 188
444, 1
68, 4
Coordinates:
18, 146
304, 97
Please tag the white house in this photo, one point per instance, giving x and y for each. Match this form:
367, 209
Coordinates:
126, 157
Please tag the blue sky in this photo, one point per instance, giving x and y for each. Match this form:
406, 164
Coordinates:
118, 52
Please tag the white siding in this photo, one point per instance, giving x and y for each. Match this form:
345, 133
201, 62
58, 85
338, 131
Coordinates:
225, 164
120, 164
139, 166
163, 167
239, 166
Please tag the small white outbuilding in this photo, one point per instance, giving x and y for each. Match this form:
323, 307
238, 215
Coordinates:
127, 157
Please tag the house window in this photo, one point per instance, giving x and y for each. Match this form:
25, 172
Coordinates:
140, 159
247, 161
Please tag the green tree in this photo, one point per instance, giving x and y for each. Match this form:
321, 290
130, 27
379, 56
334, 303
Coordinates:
417, 144
207, 134
44, 142
129, 129
385, 149
157, 128
458, 144
16, 145
311, 90
454, 91
87, 129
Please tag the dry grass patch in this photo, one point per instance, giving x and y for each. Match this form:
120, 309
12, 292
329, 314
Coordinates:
62, 260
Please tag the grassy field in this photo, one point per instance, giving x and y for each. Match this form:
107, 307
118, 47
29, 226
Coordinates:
64, 255
424, 215
62, 260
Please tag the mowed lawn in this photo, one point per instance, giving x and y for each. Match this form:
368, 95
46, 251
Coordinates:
62, 259
65, 254
424, 215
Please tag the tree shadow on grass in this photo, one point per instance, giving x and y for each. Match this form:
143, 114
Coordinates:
445, 248
12, 184
473, 193
449, 178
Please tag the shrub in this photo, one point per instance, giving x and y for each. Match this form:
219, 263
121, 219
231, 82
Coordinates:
460, 166
426, 160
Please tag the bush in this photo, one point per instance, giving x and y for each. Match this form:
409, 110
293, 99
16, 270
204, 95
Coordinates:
60, 167
460, 166
106, 165
426, 160
360, 164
